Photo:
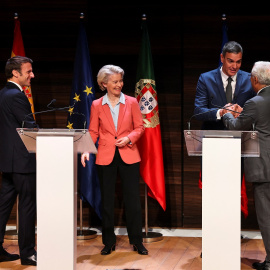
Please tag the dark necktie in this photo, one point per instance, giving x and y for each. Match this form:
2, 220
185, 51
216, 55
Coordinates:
229, 90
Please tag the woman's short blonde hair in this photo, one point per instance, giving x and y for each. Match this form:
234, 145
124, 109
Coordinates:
105, 72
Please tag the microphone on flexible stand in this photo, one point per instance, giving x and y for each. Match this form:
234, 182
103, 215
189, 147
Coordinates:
197, 114
49, 105
51, 110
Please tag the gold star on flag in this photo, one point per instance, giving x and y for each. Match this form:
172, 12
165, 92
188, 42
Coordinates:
88, 90
70, 125
70, 110
77, 97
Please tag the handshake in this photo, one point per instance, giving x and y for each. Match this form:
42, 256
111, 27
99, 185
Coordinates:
234, 109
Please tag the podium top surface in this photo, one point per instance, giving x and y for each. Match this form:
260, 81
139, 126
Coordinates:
249, 140
51, 131
81, 138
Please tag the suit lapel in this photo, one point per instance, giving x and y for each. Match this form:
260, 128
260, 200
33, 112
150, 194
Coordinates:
239, 79
220, 87
108, 114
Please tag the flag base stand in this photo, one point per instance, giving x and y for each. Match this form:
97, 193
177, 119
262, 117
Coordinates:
11, 235
152, 237
149, 237
86, 234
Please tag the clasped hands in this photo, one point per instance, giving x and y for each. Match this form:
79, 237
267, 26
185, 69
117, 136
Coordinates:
234, 109
119, 143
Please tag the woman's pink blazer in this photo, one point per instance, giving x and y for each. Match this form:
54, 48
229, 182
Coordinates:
130, 124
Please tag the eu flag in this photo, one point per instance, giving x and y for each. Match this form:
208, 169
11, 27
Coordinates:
84, 93
224, 35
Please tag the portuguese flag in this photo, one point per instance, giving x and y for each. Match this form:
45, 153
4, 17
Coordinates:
150, 147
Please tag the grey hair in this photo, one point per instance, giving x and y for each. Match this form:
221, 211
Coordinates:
261, 70
105, 72
232, 47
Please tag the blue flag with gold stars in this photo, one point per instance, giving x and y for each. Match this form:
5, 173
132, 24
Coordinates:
83, 92
224, 35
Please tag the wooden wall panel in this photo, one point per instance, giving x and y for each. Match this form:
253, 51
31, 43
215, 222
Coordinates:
185, 41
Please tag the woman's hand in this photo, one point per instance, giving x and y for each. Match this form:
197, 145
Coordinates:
84, 156
122, 141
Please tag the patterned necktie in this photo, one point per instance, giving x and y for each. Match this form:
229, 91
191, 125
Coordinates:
229, 90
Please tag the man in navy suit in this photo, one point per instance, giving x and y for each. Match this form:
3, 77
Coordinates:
212, 85
18, 167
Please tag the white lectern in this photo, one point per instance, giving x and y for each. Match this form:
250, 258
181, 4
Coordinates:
56, 153
221, 193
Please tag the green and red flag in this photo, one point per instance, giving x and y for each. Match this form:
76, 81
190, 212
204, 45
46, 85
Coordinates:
18, 49
150, 146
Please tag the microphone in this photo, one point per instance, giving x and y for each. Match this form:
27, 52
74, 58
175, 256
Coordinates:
65, 109
49, 105
197, 114
253, 120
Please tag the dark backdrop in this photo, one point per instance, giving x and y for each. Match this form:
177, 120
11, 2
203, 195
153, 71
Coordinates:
185, 41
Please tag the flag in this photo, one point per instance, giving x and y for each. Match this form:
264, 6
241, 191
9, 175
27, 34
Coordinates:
224, 35
18, 49
244, 198
150, 147
83, 93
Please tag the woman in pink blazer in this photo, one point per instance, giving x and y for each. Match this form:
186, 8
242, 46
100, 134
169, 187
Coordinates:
117, 122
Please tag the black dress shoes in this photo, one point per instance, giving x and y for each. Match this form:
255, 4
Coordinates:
107, 249
266, 267
31, 260
261, 266
140, 248
258, 265
6, 257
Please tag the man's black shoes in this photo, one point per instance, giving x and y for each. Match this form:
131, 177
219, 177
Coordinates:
6, 257
31, 260
261, 266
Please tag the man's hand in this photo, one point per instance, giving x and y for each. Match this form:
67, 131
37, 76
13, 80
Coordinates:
238, 109
234, 109
223, 111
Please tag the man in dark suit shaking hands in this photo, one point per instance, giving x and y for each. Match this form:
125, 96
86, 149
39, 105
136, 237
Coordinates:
18, 167
218, 87
257, 169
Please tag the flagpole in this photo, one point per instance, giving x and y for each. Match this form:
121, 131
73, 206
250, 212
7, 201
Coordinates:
81, 233
84, 234
145, 60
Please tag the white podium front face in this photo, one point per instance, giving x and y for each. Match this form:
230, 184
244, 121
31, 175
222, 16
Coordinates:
221, 204
56, 203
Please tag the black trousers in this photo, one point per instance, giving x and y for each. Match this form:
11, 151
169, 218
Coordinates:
24, 185
262, 206
130, 175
